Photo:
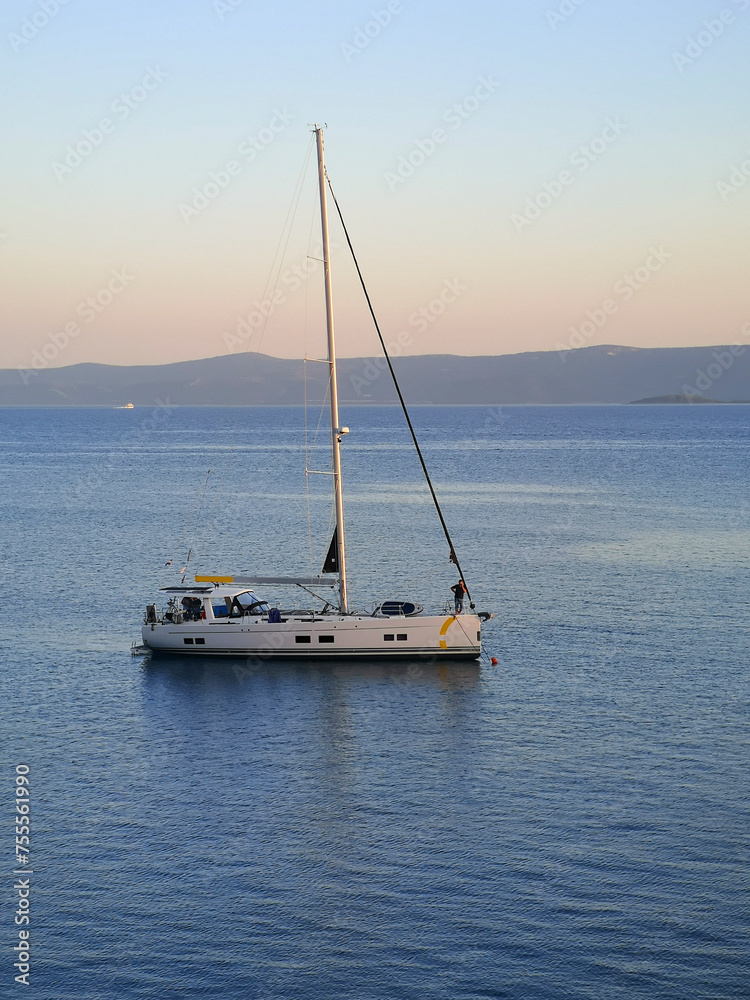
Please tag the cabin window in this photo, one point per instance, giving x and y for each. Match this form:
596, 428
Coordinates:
302, 638
325, 638
200, 642
402, 637
246, 603
188, 642
389, 637
479, 636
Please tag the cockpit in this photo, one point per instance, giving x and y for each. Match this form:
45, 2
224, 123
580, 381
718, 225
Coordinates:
219, 604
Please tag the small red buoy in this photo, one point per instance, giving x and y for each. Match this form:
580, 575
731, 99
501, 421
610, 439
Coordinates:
493, 661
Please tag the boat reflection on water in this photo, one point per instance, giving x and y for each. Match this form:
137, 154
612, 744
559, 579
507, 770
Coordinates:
247, 671
455, 675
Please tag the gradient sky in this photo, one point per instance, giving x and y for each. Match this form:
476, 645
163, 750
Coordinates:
220, 73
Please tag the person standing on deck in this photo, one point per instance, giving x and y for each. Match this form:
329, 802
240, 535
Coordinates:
459, 590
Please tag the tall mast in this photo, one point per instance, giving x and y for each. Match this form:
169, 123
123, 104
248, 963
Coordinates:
334, 396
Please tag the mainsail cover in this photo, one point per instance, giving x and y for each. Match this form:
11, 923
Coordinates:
331, 564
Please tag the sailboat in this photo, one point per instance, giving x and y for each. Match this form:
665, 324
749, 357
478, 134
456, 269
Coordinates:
222, 614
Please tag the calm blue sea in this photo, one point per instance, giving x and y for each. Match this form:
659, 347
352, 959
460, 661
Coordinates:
572, 823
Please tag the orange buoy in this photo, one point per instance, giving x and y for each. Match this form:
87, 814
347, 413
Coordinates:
493, 661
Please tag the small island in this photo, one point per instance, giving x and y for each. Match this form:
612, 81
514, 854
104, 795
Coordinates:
673, 398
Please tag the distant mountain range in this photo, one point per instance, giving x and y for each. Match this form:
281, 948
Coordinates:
587, 375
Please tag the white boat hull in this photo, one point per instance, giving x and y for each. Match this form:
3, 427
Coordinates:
326, 637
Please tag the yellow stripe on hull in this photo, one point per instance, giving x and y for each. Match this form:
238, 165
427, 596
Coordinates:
445, 626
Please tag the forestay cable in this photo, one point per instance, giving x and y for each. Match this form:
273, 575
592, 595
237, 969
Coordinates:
453, 556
